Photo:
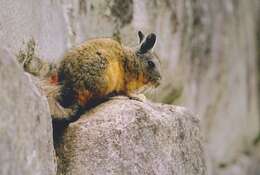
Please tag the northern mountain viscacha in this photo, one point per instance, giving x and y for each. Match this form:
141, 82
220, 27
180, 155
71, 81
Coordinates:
99, 68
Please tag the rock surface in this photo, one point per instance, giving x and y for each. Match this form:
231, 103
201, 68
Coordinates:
207, 49
209, 55
26, 144
125, 136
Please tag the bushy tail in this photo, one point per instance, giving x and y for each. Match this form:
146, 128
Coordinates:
33, 64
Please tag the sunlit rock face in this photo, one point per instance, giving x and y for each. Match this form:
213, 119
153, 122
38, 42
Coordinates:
207, 50
26, 144
125, 136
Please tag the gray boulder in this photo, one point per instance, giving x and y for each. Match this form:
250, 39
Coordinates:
26, 144
125, 136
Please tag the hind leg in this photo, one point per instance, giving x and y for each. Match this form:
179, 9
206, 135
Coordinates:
81, 98
66, 106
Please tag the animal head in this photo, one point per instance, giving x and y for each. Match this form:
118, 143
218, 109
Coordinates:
149, 61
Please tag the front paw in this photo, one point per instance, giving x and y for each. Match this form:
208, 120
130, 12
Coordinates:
137, 97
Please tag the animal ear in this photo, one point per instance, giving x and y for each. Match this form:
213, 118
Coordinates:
141, 36
148, 43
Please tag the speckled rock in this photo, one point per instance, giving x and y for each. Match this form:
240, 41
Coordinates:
208, 54
124, 136
207, 49
26, 144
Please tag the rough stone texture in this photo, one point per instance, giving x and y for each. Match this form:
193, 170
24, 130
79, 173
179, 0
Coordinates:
40, 20
220, 81
125, 136
207, 50
208, 53
26, 144
246, 164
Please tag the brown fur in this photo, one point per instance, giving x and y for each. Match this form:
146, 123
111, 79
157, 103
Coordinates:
92, 71
107, 59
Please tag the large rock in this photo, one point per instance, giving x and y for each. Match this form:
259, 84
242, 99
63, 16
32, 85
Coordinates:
125, 136
207, 49
26, 143
208, 53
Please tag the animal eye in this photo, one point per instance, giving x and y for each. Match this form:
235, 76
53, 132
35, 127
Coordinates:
151, 64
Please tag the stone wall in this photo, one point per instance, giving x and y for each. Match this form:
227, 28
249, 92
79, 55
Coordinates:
207, 48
